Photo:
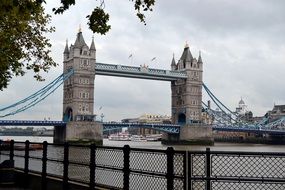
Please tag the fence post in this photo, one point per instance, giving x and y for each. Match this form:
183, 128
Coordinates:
190, 171
44, 166
26, 167
27, 149
126, 168
65, 166
12, 150
208, 168
92, 166
170, 171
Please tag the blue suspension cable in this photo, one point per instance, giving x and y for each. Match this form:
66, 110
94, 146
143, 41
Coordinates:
33, 95
211, 96
215, 115
40, 95
209, 92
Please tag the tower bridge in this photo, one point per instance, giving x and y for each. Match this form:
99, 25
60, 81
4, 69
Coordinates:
78, 101
186, 77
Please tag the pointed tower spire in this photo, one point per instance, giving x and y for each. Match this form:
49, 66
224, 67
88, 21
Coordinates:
92, 47
186, 55
79, 42
66, 50
200, 58
173, 61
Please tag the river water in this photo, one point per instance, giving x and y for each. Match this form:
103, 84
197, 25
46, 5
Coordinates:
157, 145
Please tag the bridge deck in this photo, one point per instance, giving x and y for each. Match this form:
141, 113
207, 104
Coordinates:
168, 128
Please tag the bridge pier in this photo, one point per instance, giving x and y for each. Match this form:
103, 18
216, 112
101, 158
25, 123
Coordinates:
59, 134
84, 132
191, 134
80, 132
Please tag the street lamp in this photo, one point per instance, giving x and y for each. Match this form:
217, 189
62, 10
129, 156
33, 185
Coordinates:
102, 116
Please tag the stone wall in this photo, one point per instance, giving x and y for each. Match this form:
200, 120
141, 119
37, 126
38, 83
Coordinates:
84, 131
196, 134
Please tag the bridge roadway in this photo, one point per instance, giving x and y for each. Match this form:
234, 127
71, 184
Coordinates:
168, 128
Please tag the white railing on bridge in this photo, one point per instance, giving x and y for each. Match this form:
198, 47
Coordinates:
138, 72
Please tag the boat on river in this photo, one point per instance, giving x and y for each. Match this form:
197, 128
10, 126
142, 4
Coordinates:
153, 137
138, 138
119, 137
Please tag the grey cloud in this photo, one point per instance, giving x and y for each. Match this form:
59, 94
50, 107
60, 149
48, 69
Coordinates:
242, 45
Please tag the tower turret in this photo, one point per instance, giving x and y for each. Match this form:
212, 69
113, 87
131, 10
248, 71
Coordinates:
200, 61
186, 58
92, 49
187, 94
80, 47
173, 64
66, 52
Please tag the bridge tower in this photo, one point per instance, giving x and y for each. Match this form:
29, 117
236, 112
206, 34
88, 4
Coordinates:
187, 102
187, 93
78, 92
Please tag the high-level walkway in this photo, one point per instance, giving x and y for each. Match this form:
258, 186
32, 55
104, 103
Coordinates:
142, 72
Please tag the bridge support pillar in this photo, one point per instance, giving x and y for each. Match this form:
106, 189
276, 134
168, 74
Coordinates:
81, 132
59, 134
191, 134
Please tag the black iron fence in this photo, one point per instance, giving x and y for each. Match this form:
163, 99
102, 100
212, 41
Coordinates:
108, 167
133, 168
219, 170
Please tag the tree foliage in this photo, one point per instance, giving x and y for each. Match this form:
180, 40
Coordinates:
24, 24
98, 19
23, 45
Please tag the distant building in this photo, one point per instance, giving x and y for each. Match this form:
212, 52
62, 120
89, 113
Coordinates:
215, 116
147, 118
206, 117
151, 118
277, 112
243, 113
257, 119
242, 107
220, 115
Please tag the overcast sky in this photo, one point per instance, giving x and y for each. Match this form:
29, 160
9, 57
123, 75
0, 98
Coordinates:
242, 44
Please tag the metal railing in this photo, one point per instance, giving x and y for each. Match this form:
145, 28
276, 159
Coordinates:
220, 170
133, 168
98, 166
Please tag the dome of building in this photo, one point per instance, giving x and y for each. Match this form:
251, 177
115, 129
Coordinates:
241, 102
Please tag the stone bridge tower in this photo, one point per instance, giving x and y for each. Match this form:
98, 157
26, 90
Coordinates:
78, 90
78, 94
187, 93
187, 102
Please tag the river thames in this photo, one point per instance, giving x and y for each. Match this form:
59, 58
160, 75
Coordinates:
157, 145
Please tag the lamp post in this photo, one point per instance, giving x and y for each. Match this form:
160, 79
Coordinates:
102, 116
